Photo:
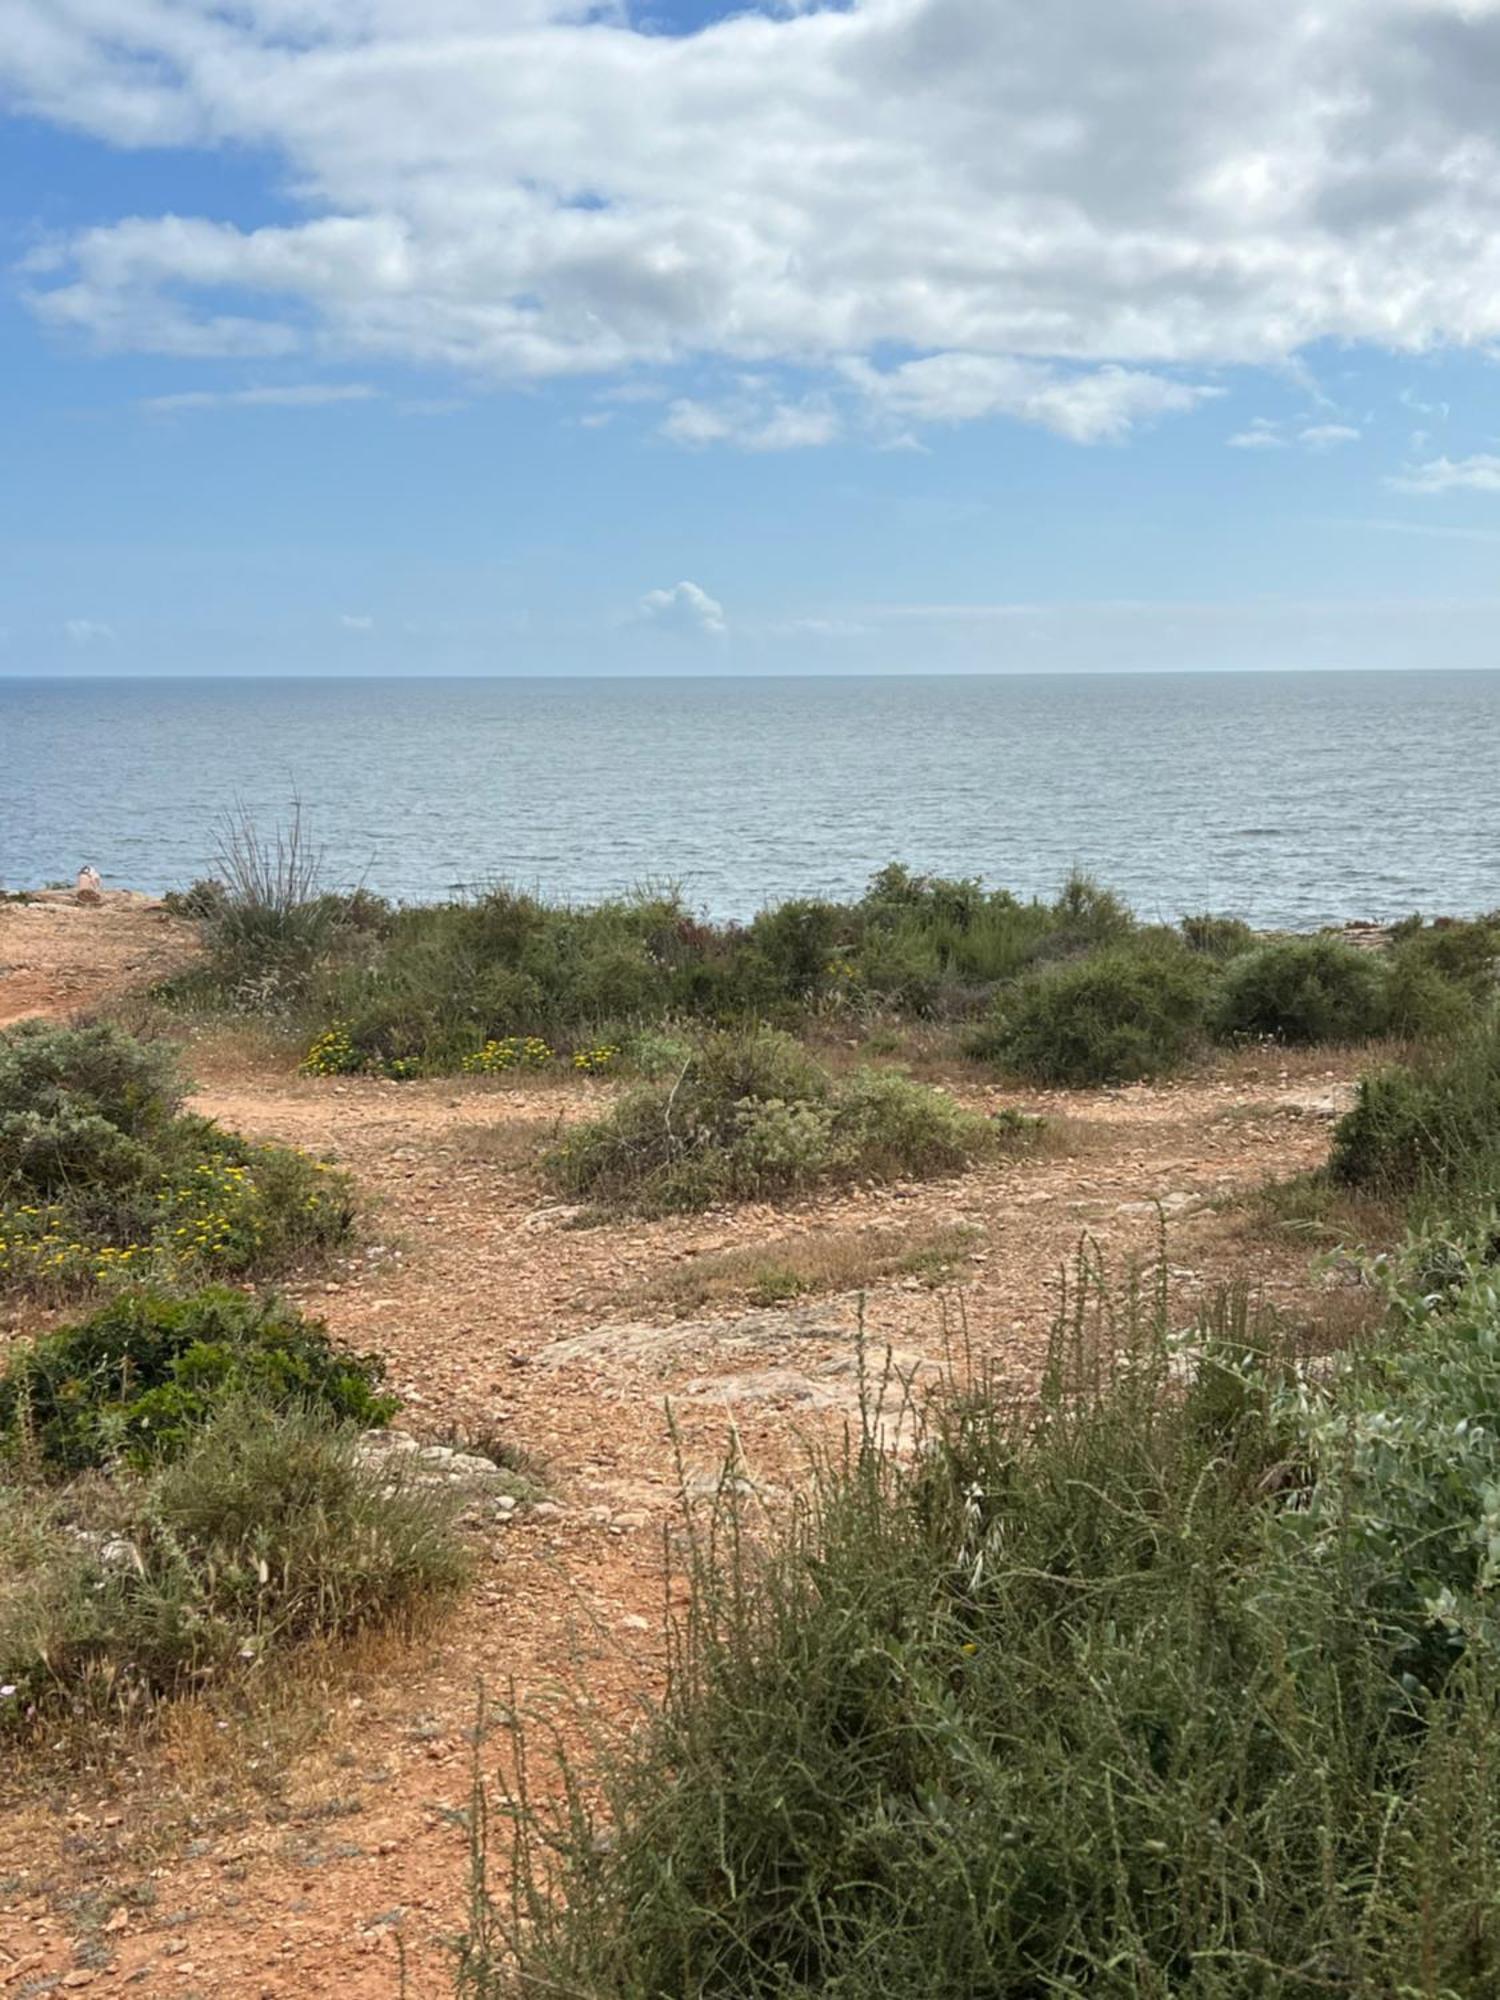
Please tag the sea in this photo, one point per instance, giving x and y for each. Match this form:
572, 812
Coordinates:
1290, 799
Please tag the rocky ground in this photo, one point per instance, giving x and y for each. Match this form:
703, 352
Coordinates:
309, 1854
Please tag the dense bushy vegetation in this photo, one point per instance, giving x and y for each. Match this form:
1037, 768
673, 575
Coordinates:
102, 1175
750, 1115
1184, 1682
140, 1377
1132, 1010
1314, 989
1431, 1124
1072, 990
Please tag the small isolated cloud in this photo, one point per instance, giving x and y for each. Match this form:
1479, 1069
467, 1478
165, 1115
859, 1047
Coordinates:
752, 423
1259, 435
356, 621
1323, 437
293, 396
88, 632
684, 608
1479, 473
1266, 434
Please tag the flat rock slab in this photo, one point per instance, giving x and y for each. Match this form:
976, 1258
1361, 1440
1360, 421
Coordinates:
658, 1347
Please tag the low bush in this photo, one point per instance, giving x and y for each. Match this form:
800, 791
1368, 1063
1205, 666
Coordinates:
752, 1115
1122, 1014
1301, 990
265, 1532
1433, 1123
424, 990
138, 1379
1441, 977
102, 1176
1182, 1684
1217, 937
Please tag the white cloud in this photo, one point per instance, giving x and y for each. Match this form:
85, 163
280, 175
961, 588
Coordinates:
1479, 473
1322, 437
1259, 436
1065, 215
684, 608
88, 632
1266, 434
751, 422
293, 396
1088, 407
356, 621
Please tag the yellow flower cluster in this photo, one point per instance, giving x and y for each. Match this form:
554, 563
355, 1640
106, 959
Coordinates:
37, 1248
511, 1052
603, 1055
332, 1054
211, 1214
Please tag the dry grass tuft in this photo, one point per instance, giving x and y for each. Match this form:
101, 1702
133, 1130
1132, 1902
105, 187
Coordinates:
834, 1260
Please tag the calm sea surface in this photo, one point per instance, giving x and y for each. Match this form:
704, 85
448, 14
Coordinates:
1289, 799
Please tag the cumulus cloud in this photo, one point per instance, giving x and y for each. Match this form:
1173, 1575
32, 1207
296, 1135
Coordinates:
292, 396
685, 608
88, 632
356, 621
1064, 215
1479, 473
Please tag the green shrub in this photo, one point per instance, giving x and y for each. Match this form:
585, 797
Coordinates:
1401, 1459
1111, 1698
267, 1531
752, 1115
79, 1105
140, 1377
102, 1176
1303, 990
1217, 937
1433, 1123
1441, 977
1123, 1014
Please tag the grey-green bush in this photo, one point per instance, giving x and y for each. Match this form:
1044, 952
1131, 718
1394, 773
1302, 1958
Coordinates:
1120, 1015
1299, 990
751, 1115
1433, 1123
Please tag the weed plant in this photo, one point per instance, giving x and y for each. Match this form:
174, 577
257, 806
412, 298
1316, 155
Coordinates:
204, 1571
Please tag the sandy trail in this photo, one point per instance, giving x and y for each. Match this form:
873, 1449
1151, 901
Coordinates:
223, 1870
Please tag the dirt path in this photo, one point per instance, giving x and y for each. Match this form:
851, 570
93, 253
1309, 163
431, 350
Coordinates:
292, 1867
60, 956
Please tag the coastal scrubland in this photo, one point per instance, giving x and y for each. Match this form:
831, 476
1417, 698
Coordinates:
1154, 1655
1178, 1674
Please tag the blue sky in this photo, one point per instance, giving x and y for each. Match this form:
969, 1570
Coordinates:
528, 339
